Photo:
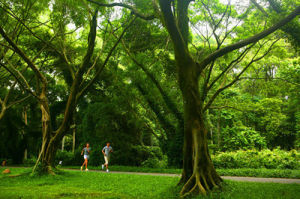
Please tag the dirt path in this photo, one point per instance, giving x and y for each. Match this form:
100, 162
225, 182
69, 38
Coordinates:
235, 178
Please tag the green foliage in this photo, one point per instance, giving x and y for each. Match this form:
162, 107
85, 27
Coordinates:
66, 157
29, 162
241, 137
252, 114
154, 162
276, 159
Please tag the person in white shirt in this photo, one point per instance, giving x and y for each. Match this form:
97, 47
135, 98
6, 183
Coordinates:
107, 150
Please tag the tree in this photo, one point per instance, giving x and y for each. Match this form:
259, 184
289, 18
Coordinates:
199, 174
78, 85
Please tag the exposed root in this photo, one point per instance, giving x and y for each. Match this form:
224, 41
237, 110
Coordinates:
199, 183
45, 170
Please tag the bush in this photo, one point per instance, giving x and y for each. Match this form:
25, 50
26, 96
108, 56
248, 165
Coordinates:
145, 155
66, 157
241, 138
154, 162
29, 161
276, 159
266, 173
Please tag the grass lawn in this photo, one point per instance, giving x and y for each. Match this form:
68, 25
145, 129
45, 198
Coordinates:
75, 184
267, 173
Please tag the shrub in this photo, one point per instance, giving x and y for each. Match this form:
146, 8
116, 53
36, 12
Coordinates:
29, 161
66, 157
276, 159
145, 155
241, 137
154, 162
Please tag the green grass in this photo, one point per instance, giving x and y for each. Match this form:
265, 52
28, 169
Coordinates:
267, 173
75, 184
132, 169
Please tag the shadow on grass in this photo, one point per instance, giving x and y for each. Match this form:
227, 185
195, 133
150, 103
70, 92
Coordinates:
173, 193
92, 195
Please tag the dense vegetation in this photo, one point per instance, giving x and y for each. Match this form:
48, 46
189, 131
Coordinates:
168, 83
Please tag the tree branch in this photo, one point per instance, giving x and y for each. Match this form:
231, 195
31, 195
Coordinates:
222, 107
133, 10
238, 76
276, 78
72, 99
170, 104
24, 57
260, 7
18, 101
20, 83
36, 36
170, 24
245, 42
98, 72
235, 61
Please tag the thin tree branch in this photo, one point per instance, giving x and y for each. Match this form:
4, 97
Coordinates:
276, 78
20, 83
35, 35
24, 57
170, 104
133, 9
238, 76
260, 8
18, 101
224, 107
235, 61
204, 90
98, 72
245, 42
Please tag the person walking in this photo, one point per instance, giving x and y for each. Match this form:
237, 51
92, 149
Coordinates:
86, 155
106, 152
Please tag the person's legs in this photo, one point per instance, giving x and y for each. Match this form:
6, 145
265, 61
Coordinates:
107, 161
86, 163
104, 162
82, 164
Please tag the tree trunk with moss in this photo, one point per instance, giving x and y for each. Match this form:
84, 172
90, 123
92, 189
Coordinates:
51, 139
199, 174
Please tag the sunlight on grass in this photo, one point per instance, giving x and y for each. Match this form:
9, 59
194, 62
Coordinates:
75, 184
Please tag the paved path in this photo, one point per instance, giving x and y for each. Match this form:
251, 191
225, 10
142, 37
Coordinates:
235, 178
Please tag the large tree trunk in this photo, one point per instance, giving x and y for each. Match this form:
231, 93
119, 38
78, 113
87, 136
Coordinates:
199, 174
63, 143
51, 138
187, 170
45, 166
74, 137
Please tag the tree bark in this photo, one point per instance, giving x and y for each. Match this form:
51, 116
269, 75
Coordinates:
74, 137
199, 174
46, 166
63, 143
51, 139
